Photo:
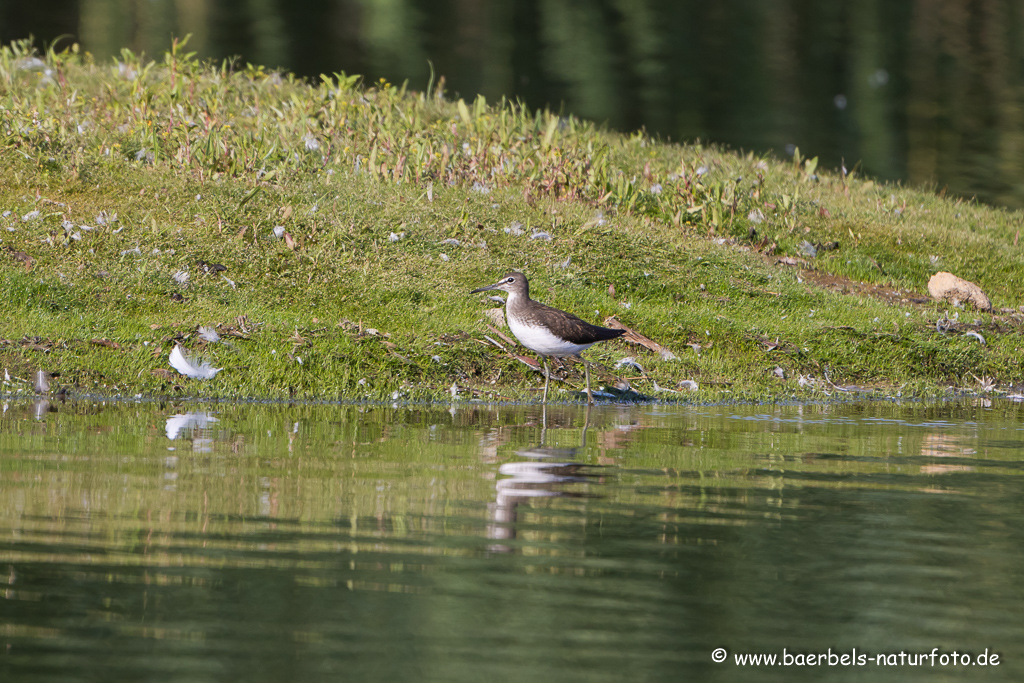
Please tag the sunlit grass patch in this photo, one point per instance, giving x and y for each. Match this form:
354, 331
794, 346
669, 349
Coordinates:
331, 233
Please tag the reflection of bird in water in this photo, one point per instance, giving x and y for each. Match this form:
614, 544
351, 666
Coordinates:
536, 479
542, 476
552, 452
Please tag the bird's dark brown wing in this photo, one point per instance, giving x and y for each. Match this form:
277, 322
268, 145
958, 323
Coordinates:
572, 329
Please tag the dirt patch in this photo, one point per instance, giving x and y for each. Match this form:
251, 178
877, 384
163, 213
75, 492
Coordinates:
1003, 320
844, 285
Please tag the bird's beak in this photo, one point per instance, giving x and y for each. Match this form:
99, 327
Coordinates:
487, 288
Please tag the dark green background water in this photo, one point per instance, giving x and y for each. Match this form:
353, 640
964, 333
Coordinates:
926, 91
266, 543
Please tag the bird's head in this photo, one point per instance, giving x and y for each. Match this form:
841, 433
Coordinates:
514, 283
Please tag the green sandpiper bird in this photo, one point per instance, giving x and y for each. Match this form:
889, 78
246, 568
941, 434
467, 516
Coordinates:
545, 330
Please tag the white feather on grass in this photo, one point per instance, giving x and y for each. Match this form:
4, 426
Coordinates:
629, 362
42, 382
188, 367
209, 334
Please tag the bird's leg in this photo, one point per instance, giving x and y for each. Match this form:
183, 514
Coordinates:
547, 378
586, 425
586, 371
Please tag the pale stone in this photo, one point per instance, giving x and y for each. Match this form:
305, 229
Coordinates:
497, 316
949, 287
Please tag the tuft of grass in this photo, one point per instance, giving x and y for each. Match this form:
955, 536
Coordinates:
331, 231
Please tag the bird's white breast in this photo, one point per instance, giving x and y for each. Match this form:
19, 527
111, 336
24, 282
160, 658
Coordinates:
540, 340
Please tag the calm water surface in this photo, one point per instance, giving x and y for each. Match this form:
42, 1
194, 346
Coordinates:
183, 542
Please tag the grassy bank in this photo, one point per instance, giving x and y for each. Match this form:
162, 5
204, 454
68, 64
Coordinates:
330, 233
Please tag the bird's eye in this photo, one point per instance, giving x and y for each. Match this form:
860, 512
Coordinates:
510, 280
